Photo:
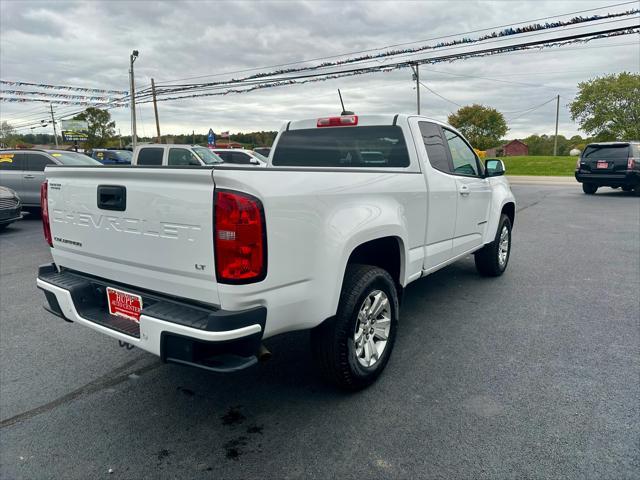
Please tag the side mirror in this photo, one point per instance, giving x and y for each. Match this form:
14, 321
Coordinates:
253, 161
494, 167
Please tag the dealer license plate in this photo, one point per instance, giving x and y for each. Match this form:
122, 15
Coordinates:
602, 165
124, 304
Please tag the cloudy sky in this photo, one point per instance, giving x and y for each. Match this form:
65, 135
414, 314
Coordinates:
88, 44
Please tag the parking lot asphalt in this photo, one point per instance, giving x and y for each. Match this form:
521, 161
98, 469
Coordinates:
534, 374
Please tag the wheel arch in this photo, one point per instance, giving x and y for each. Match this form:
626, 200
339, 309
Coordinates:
509, 209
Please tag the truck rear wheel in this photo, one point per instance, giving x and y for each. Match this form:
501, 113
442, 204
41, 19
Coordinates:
492, 259
589, 188
353, 348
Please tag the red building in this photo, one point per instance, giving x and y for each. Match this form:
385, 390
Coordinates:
515, 148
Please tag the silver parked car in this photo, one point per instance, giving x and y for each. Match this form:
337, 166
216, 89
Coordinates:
10, 207
23, 170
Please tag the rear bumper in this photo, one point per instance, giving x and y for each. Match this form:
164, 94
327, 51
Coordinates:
629, 178
175, 330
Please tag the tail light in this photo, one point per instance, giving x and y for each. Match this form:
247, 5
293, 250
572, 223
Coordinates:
44, 206
578, 164
631, 163
342, 121
240, 238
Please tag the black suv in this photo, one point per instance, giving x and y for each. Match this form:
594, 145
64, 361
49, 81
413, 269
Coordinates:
610, 164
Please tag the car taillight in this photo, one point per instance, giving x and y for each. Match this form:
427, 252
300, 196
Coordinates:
44, 205
342, 121
631, 163
578, 164
240, 238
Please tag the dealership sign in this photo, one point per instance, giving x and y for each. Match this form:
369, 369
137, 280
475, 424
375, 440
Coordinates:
74, 130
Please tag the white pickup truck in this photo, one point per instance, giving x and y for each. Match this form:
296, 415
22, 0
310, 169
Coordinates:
200, 264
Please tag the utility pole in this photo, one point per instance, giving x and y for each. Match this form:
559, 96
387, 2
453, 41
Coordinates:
416, 77
193, 132
555, 139
120, 138
55, 132
155, 109
132, 58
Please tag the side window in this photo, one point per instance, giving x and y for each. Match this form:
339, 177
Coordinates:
36, 162
436, 149
226, 156
182, 156
238, 157
150, 156
462, 156
8, 161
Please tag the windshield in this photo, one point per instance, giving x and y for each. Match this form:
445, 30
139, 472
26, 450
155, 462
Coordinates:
207, 156
73, 158
259, 156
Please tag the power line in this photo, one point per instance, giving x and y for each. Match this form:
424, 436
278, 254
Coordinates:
438, 95
403, 64
397, 44
532, 109
62, 87
361, 61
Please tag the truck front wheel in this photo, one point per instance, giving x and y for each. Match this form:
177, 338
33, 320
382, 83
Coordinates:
492, 259
352, 348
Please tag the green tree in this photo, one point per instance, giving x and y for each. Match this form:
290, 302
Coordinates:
483, 126
7, 132
101, 128
609, 107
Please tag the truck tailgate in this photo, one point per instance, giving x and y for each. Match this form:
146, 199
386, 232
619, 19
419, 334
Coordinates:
148, 227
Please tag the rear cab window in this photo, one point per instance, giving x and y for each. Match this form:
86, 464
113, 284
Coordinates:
380, 146
150, 156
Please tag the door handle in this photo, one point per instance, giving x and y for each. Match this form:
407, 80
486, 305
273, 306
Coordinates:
29, 176
464, 190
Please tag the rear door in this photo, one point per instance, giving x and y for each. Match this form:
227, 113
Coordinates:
442, 194
474, 194
606, 158
34, 176
11, 170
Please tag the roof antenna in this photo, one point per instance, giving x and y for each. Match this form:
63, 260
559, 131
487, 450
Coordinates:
344, 112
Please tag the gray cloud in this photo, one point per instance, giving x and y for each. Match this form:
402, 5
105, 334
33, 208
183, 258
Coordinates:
88, 44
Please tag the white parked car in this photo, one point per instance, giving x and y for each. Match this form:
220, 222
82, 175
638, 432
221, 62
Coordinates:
240, 156
157, 154
200, 265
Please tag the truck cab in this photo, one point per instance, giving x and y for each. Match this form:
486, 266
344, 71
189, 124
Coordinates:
173, 155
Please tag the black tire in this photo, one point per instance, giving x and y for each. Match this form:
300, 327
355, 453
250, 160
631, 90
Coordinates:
627, 188
636, 190
3, 226
589, 188
333, 342
487, 258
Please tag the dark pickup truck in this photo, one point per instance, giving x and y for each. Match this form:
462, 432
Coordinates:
609, 164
